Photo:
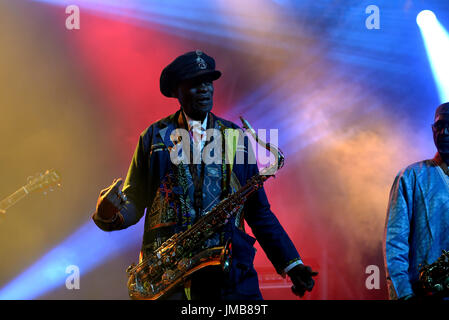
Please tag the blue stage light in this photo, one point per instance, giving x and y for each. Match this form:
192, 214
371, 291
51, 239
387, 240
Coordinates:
86, 248
436, 41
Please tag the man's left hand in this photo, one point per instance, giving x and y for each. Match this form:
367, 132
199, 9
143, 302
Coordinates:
301, 277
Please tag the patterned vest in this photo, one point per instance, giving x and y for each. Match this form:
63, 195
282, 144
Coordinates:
172, 210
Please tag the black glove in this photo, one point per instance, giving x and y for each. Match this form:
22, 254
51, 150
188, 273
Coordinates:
301, 277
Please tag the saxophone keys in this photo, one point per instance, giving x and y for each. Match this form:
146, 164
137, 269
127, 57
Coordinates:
184, 264
168, 276
128, 270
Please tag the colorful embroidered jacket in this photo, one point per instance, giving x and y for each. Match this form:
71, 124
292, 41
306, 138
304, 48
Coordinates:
165, 191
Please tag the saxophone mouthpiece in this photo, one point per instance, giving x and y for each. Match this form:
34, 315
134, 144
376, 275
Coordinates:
245, 123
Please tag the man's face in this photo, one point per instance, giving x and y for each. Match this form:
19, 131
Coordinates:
196, 97
441, 135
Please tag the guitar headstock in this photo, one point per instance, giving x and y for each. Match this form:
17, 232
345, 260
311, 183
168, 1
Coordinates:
43, 181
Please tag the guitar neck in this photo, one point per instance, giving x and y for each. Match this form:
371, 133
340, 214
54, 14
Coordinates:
13, 198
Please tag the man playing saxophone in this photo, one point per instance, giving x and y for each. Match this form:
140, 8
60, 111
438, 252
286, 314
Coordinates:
176, 194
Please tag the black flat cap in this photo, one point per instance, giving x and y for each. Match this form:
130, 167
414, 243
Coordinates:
187, 66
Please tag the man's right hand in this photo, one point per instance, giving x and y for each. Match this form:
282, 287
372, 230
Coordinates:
301, 277
110, 200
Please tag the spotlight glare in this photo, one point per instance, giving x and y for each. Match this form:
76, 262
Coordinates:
425, 17
436, 42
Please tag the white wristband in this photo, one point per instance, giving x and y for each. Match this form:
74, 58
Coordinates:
293, 264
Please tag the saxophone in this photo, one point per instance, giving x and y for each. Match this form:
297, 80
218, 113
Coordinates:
177, 258
434, 278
